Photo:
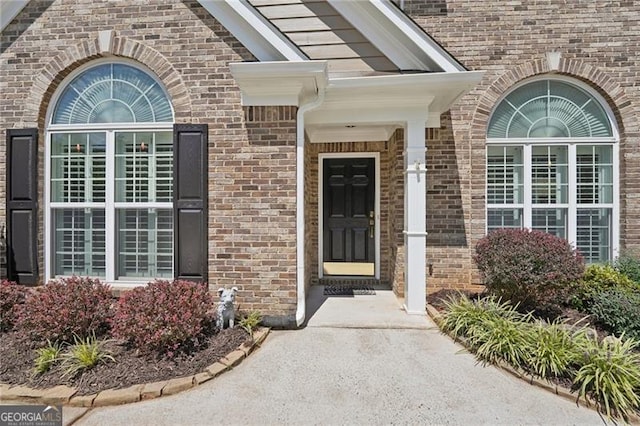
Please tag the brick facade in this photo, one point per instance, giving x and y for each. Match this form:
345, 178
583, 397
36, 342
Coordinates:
252, 150
252, 180
598, 43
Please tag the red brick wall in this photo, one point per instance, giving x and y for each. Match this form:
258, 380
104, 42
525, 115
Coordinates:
251, 151
598, 42
396, 212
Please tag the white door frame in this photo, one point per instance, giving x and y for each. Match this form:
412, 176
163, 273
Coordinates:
321, 158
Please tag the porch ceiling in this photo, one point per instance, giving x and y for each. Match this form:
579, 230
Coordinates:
354, 108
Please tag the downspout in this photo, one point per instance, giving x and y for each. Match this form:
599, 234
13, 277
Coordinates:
300, 240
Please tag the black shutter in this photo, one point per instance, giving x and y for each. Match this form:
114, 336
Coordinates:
190, 192
22, 205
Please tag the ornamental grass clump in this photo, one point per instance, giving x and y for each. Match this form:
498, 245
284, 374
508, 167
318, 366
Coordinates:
12, 297
84, 354
503, 339
63, 309
610, 374
163, 317
554, 348
250, 322
463, 317
527, 267
46, 357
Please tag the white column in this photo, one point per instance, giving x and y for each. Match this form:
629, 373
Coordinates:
415, 235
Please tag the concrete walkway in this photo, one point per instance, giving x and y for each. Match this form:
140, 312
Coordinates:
326, 374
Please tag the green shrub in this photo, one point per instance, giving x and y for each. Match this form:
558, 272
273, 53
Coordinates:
85, 354
610, 374
527, 267
618, 311
12, 296
65, 308
597, 279
163, 316
629, 265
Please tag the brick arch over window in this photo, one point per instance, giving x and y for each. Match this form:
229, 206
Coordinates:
627, 120
626, 114
60, 66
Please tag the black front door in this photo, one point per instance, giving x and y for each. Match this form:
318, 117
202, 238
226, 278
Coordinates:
349, 216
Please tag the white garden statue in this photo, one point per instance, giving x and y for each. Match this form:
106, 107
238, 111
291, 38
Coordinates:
226, 308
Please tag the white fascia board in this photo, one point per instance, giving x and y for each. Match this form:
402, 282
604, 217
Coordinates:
279, 83
9, 9
392, 98
399, 38
442, 89
253, 30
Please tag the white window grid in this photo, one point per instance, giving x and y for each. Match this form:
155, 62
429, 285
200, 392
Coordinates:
610, 244
110, 206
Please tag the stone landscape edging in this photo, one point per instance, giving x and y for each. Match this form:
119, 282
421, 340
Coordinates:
559, 390
64, 395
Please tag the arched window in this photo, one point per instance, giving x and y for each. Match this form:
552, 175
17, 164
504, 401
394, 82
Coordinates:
109, 173
552, 165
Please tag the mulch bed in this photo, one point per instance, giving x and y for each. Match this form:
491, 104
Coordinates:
17, 356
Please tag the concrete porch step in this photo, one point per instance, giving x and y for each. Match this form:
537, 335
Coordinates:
380, 311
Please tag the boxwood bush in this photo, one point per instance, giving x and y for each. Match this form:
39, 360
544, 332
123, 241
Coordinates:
618, 311
67, 308
629, 265
163, 316
597, 279
525, 266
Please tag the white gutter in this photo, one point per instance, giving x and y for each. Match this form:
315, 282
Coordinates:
301, 311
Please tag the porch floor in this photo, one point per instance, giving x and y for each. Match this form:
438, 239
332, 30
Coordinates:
382, 310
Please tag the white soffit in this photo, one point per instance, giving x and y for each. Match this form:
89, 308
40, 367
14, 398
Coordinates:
352, 133
9, 9
252, 30
396, 35
392, 98
279, 82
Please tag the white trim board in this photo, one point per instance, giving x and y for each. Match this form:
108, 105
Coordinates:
9, 9
321, 158
253, 30
400, 39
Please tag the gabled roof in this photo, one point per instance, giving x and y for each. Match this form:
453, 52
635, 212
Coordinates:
360, 37
322, 33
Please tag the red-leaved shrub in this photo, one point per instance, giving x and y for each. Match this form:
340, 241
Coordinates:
163, 316
65, 308
12, 295
526, 266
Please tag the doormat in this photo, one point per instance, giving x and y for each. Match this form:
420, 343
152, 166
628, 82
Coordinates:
343, 290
